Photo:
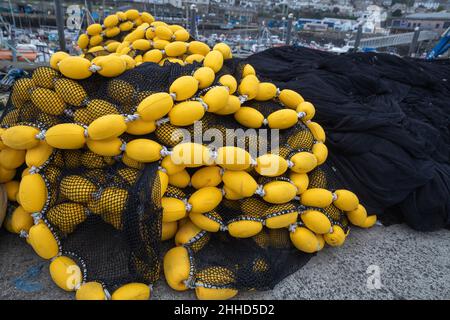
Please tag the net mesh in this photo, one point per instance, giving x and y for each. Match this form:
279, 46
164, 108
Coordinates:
106, 211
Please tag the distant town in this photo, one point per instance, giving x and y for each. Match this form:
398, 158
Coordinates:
248, 25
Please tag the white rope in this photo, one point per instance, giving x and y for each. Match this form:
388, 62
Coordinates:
86, 133
213, 154
68, 112
187, 205
107, 294
243, 98
173, 95
277, 93
131, 117
162, 169
33, 170
94, 68
41, 135
161, 121
334, 196
290, 163
292, 227
123, 146
37, 216
23, 234
165, 152
260, 191
205, 106
301, 114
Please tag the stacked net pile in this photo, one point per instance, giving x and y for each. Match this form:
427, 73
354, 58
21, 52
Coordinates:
121, 169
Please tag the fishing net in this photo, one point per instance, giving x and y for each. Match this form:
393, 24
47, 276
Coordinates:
104, 207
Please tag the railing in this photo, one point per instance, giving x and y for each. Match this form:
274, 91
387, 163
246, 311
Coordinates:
395, 40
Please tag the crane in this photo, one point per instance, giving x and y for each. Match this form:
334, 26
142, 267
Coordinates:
442, 46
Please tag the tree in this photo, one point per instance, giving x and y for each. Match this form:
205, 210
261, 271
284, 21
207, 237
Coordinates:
397, 13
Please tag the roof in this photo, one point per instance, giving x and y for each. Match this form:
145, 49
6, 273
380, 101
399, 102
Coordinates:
430, 16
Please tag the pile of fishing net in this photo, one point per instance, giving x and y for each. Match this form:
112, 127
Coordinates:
387, 121
189, 165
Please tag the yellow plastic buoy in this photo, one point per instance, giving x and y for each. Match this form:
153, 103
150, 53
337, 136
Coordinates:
155, 106
224, 49
173, 209
186, 113
214, 60
43, 241
203, 222
316, 221
300, 180
305, 240
180, 179
336, 237
197, 47
240, 182
233, 158
65, 273
346, 200
190, 155
106, 127
66, 136
184, 87
369, 222
90, 291
205, 199
77, 68
143, 150
32, 192
132, 291
205, 77
358, 216
20, 137
282, 119
12, 188
290, 98
278, 192
244, 228
177, 268
271, 165
304, 162
20, 220
249, 87
316, 197
229, 81
168, 230
266, 91
207, 177
249, 117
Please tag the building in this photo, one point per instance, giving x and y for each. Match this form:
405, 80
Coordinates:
436, 21
373, 18
432, 5
344, 25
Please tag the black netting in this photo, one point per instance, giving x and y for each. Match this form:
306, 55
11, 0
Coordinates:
106, 210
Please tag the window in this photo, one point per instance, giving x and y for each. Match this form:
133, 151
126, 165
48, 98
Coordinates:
437, 25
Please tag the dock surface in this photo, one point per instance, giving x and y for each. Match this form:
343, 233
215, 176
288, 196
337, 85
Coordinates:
410, 265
